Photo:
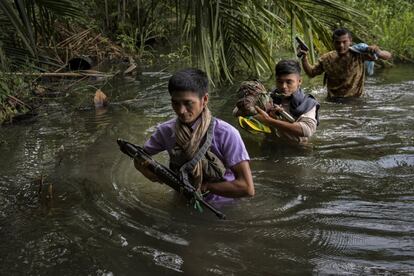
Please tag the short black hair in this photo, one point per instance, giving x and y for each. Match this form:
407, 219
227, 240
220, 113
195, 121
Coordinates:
189, 79
340, 32
287, 66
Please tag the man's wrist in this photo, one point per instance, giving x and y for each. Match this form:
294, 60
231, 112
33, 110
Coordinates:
204, 188
269, 120
304, 58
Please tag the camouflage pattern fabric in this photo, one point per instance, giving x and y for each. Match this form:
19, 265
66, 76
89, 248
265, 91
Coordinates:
344, 74
250, 94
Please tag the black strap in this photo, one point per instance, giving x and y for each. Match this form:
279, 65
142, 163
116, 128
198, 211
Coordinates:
189, 166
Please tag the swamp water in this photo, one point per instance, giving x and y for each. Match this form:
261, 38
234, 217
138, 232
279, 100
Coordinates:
345, 206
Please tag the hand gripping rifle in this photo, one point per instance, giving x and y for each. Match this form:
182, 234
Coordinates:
302, 46
166, 175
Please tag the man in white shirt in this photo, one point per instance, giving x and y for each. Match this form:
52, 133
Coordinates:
289, 97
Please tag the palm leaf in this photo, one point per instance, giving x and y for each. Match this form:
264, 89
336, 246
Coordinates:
24, 34
18, 17
61, 7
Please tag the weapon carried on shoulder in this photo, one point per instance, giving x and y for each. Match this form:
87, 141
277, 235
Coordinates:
166, 175
302, 46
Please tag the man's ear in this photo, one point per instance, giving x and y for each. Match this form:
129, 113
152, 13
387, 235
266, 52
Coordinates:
205, 100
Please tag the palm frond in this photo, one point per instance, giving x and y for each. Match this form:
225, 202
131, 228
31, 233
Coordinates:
7, 8
61, 7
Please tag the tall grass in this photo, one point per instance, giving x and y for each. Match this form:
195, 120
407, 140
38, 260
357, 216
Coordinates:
12, 90
391, 26
397, 35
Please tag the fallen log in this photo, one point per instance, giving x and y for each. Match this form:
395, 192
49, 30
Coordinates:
78, 74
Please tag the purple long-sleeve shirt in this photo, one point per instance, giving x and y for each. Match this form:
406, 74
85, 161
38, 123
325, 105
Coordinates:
226, 144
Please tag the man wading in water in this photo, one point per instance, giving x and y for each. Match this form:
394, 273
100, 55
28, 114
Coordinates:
288, 97
224, 168
344, 67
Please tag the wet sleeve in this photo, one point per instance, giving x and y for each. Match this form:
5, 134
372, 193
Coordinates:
307, 122
316, 69
233, 148
155, 143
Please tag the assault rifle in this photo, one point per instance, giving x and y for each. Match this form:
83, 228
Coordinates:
302, 46
166, 175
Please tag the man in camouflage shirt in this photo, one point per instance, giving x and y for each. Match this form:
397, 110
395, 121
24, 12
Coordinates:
344, 69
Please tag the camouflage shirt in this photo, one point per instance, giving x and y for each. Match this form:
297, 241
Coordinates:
344, 74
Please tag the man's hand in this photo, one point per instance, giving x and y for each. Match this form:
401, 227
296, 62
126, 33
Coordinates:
143, 168
373, 49
382, 54
262, 116
275, 111
303, 53
203, 187
241, 186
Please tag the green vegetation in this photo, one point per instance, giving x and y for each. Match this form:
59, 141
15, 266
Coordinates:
12, 89
226, 38
390, 26
222, 37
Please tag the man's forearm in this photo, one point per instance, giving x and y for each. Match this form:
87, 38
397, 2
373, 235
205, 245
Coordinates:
307, 67
382, 54
228, 189
241, 186
291, 128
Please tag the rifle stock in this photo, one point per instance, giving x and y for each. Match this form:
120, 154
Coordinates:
166, 175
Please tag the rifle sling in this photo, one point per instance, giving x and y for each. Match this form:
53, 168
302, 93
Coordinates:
189, 166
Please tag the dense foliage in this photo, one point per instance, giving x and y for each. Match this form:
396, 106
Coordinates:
223, 37
390, 26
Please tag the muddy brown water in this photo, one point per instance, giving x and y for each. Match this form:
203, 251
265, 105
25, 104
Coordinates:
343, 206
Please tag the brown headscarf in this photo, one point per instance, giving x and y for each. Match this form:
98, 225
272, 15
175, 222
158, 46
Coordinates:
189, 141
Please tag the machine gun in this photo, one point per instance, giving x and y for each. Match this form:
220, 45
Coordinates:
302, 46
166, 175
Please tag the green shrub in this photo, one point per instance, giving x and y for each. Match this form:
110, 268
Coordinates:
391, 26
13, 89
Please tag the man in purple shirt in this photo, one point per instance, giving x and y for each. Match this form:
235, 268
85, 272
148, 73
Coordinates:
183, 137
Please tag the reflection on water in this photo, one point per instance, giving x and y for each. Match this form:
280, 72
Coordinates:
342, 206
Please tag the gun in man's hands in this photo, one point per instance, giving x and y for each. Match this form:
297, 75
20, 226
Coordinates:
166, 175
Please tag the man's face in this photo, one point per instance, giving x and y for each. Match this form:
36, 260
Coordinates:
288, 84
342, 44
188, 106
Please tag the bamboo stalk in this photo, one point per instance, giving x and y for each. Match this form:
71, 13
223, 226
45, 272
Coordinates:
61, 67
19, 101
74, 38
107, 14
